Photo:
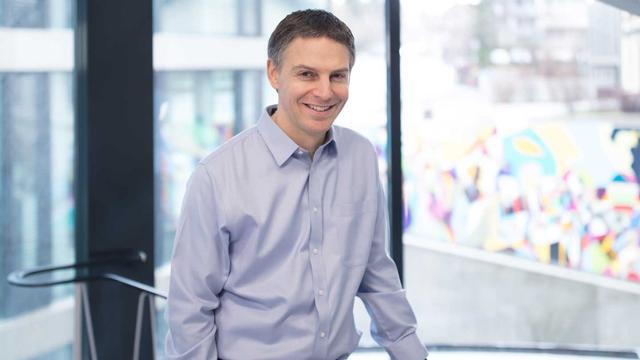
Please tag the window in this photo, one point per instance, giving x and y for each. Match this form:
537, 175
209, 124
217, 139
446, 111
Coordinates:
521, 171
36, 181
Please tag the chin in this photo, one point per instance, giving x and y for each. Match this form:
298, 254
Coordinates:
320, 125
318, 131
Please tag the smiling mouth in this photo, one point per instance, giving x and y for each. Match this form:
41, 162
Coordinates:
319, 108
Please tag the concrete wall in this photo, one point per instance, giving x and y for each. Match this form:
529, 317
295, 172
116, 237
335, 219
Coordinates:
461, 300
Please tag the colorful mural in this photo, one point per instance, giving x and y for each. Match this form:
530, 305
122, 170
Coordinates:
560, 193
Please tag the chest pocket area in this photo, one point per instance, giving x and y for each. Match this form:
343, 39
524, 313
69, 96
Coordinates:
350, 231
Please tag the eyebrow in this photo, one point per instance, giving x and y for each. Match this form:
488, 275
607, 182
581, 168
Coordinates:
304, 67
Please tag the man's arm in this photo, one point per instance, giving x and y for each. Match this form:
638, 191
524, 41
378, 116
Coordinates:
199, 269
393, 323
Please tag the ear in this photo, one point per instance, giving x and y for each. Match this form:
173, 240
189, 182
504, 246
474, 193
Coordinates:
273, 74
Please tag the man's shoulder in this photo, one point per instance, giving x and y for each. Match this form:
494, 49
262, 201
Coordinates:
352, 140
229, 150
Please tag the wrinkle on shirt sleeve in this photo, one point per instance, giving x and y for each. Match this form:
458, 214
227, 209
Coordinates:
393, 324
199, 269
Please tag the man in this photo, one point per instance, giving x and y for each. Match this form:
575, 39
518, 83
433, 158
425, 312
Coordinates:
285, 224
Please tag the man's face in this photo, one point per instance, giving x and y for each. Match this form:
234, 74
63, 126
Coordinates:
313, 86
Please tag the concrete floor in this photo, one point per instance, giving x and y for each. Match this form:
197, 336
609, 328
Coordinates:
482, 355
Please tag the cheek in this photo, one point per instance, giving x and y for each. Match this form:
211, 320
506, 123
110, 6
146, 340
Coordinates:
295, 93
342, 91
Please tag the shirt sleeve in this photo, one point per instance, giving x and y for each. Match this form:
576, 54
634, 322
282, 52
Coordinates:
199, 269
393, 323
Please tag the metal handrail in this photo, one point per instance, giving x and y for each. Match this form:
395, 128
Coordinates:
119, 257
124, 257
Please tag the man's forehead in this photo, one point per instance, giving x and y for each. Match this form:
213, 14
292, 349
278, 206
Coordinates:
302, 66
314, 52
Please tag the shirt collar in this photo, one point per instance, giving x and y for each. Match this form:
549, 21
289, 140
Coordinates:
279, 144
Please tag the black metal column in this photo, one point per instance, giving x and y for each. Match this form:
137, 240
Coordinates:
114, 189
394, 156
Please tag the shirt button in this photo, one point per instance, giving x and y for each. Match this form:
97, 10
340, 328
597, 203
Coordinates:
299, 152
321, 292
323, 334
315, 209
315, 251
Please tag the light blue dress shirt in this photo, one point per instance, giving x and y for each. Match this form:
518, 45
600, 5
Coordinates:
273, 246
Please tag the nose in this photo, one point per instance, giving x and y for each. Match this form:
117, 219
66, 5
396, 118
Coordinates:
323, 89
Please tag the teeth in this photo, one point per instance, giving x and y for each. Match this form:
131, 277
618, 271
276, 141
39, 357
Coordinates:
319, 108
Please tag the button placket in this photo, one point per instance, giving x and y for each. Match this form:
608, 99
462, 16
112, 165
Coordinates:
315, 242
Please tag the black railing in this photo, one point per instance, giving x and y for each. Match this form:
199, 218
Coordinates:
99, 268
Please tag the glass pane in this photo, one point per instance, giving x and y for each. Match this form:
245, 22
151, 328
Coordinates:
36, 181
36, 14
520, 152
206, 17
204, 96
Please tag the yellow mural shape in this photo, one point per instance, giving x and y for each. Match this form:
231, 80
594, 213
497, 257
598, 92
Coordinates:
527, 146
556, 138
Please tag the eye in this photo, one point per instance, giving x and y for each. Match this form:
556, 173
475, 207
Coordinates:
306, 74
339, 76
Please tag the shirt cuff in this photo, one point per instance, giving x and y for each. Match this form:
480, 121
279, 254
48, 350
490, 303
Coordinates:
408, 348
203, 350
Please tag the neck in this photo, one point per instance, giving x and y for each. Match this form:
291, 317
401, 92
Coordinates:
306, 141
